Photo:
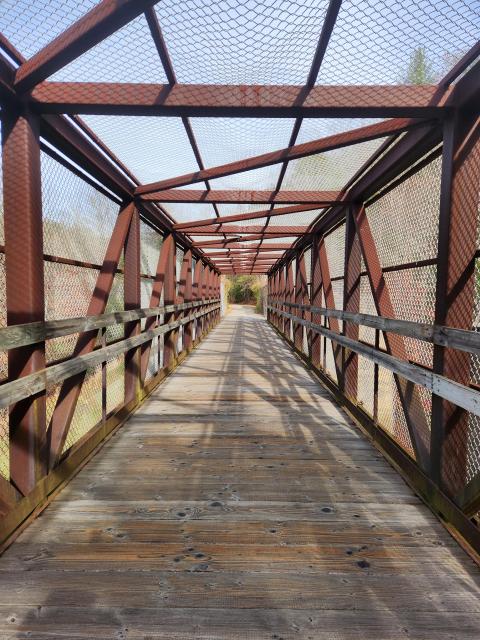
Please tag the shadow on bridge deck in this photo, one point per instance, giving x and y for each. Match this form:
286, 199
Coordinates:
238, 502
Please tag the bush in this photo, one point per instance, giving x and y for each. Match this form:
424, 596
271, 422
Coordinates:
246, 290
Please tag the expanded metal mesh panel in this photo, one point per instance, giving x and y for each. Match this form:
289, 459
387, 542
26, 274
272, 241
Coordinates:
412, 292
225, 140
4, 444
330, 170
115, 372
367, 305
68, 292
128, 55
185, 212
115, 303
32, 25
337, 288
473, 448
268, 42
365, 384
77, 219
88, 411
300, 218
335, 248
404, 222
152, 148
423, 39
150, 245
330, 360
390, 412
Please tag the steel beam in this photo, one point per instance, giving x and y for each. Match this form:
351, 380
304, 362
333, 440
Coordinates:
319, 198
316, 289
238, 217
301, 297
241, 101
25, 298
335, 141
351, 303
132, 300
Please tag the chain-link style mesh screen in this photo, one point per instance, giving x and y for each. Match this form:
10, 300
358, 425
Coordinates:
404, 222
88, 411
115, 370
152, 148
32, 25
128, 55
424, 39
150, 245
239, 43
77, 219
330, 170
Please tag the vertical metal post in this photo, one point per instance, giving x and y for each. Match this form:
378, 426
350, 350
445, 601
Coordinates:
301, 297
351, 302
455, 291
330, 303
289, 297
22, 197
132, 301
196, 294
316, 300
185, 295
169, 297
281, 298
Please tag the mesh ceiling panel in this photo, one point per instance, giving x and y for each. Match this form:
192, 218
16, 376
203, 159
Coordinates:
153, 148
400, 41
128, 55
233, 42
32, 25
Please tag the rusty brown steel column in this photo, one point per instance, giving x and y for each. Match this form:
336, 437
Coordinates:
301, 297
289, 297
169, 298
22, 197
185, 293
281, 298
330, 304
132, 300
351, 302
455, 291
316, 301
196, 294
269, 296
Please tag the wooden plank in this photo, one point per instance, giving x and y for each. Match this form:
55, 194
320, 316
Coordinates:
238, 501
468, 399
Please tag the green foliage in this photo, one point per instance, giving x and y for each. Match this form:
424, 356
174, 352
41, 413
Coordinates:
245, 290
420, 70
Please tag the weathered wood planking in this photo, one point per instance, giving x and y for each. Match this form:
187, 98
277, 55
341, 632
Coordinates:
238, 502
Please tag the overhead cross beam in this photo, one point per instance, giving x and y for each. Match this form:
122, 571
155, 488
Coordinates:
228, 196
241, 101
215, 228
335, 141
238, 217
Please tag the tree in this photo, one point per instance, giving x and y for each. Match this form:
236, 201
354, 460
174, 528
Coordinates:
420, 70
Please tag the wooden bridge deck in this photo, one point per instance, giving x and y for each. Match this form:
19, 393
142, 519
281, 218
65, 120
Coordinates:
239, 502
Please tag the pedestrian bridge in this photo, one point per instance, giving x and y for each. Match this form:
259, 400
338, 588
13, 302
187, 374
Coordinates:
175, 466
240, 501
